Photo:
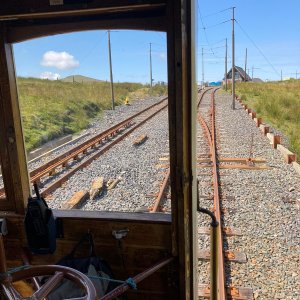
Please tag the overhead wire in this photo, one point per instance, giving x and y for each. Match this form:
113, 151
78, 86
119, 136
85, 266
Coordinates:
257, 48
218, 12
204, 28
206, 37
218, 42
215, 25
91, 49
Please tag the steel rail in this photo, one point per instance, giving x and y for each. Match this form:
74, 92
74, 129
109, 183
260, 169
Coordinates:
167, 174
161, 192
211, 138
51, 187
94, 140
202, 95
63, 159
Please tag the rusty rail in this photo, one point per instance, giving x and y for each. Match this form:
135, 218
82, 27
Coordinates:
161, 192
211, 138
73, 153
95, 155
202, 95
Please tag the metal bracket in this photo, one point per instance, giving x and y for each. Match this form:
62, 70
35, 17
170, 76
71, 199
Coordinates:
119, 234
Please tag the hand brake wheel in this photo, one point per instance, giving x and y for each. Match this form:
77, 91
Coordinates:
57, 274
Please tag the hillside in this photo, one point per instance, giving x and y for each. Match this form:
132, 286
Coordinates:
79, 79
278, 103
51, 109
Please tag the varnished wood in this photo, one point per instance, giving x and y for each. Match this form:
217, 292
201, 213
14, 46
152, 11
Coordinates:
14, 9
152, 236
24, 30
3, 268
114, 216
12, 151
147, 242
182, 91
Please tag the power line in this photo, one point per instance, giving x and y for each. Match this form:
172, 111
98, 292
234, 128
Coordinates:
91, 49
215, 25
258, 48
218, 12
218, 42
214, 48
204, 29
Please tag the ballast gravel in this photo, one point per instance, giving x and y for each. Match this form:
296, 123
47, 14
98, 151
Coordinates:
263, 204
106, 120
135, 166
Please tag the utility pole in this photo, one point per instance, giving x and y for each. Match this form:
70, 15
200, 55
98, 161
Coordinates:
151, 66
295, 74
252, 71
111, 74
226, 66
202, 70
233, 64
281, 74
246, 66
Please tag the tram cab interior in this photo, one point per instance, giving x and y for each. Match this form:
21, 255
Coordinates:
152, 238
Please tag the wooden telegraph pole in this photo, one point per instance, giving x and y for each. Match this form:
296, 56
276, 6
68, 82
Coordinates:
226, 66
246, 66
151, 80
202, 69
233, 64
111, 74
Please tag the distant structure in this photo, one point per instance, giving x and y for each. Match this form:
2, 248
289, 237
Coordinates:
215, 83
239, 74
256, 80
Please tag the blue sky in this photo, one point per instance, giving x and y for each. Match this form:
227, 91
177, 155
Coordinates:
86, 53
273, 26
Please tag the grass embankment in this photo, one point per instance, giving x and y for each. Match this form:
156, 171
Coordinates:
51, 109
278, 103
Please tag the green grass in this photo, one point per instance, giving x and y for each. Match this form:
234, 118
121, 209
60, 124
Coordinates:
51, 109
278, 103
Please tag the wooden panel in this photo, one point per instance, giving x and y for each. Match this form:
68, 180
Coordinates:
146, 244
31, 8
138, 233
13, 157
21, 31
182, 91
113, 216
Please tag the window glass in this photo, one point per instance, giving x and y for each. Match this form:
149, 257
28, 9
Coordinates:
87, 146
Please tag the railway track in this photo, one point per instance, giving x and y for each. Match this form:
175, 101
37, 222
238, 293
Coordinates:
210, 159
165, 182
54, 173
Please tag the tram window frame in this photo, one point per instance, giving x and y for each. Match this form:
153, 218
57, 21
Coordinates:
136, 174
29, 27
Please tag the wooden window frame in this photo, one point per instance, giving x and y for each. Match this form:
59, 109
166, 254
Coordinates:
31, 19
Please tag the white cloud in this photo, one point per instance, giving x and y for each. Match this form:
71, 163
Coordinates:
50, 76
60, 60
